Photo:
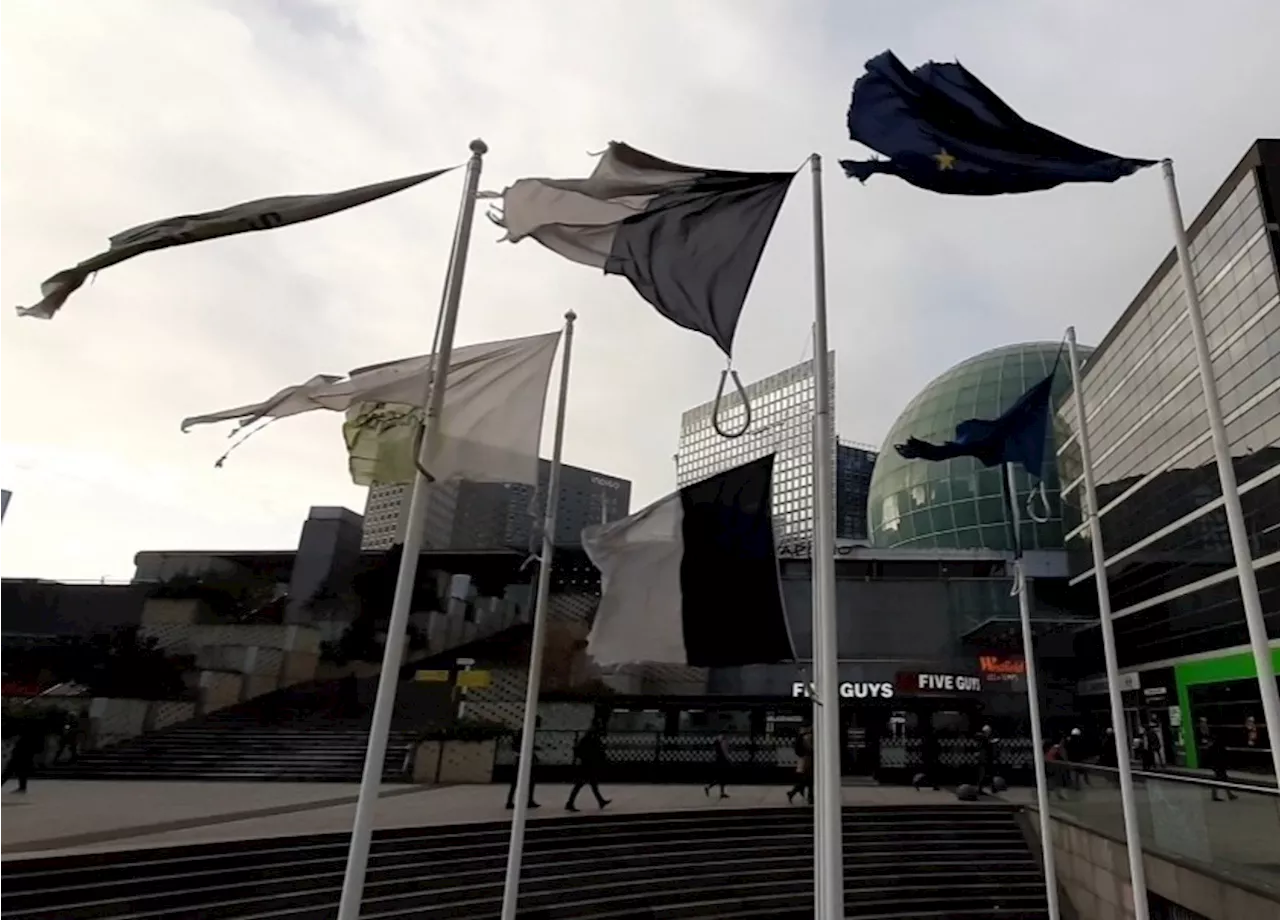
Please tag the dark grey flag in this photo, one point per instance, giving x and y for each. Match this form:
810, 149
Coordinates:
688, 239
263, 214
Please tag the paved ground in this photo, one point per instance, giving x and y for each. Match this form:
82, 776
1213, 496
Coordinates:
61, 816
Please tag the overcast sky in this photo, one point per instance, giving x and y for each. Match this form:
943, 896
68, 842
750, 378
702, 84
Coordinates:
116, 113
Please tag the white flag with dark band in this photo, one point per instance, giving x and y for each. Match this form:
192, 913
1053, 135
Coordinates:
263, 214
688, 239
693, 578
490, 427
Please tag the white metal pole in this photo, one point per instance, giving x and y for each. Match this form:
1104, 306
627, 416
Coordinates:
393, 655
1133, 841
828, 795
524, 769
1033, 707
1227, 477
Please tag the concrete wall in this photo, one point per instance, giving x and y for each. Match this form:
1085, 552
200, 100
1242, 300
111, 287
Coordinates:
1093, 872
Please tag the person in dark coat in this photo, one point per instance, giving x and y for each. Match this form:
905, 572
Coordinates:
31, 731
591, 758
929, 759
804, 767
1212, 755
986, 759
515, 776
720, 747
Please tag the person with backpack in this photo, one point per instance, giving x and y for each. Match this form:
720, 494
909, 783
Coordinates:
804, 766
721, 749
591, 759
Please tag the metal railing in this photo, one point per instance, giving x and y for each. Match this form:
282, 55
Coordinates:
1230, 829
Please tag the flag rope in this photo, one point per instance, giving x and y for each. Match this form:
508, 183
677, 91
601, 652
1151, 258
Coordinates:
746, 403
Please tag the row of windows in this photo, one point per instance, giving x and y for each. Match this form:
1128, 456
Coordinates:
1154, 458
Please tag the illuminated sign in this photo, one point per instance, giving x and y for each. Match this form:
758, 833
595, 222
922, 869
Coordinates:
995, 668
608, 483
948, 683
851, 690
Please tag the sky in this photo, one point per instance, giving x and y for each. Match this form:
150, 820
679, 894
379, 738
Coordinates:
115, 114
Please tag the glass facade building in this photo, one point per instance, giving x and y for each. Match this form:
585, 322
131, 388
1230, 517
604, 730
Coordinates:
854, 466
1168, 552
782, 414
959, 504
466, 515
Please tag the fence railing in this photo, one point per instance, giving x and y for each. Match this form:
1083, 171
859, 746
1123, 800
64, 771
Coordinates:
1229, 828
661, 756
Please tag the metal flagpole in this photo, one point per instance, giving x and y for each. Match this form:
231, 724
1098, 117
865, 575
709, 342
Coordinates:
524, 769
1227, 477
829, 858
393, 655
1133, 842
1033, 705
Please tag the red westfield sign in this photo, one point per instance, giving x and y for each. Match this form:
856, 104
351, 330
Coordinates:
994, 667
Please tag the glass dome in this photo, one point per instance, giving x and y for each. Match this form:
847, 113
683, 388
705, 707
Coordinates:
959, 503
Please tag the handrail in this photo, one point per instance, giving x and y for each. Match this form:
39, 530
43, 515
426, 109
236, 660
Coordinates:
1205, 782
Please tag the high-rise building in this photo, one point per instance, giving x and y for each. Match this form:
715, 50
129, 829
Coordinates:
854, 465
465, 515
1181, 637
782, 414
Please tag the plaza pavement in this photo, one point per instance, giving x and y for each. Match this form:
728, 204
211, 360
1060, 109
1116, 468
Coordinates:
77, 816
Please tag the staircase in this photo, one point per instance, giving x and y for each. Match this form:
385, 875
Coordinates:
230, 750
961, 862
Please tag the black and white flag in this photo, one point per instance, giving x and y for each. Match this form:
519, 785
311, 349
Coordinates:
693, 578
688, 239
263, 214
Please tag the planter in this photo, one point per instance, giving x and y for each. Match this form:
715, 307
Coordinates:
454, 762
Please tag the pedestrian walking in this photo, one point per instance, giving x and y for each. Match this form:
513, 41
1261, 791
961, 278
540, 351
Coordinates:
591, 759
804, 766
986, 759
928, 760
720, 748
1212, 755
30, 742
515, 776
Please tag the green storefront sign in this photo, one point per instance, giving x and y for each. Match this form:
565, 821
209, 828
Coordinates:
1211, 671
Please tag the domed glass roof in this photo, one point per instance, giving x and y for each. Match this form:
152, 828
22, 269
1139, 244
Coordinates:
959, 503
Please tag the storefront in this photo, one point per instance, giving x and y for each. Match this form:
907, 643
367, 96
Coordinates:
1225, 692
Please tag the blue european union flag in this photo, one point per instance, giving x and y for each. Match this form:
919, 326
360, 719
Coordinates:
1018, 436
944, 131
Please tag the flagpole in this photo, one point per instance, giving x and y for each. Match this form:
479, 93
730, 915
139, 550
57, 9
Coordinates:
1133, 842
1033, 705
1253, 614
829, 858
524, 767
393, 654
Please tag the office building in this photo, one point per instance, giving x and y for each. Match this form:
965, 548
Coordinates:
466, 515
782, 415
854, 466
1180, 629
959, 503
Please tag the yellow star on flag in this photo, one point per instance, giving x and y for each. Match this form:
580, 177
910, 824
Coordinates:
944, 159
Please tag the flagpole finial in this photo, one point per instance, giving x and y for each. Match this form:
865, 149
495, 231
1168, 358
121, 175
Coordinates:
479, 147
571, 316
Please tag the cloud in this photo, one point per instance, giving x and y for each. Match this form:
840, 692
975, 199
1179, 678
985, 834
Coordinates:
114, 114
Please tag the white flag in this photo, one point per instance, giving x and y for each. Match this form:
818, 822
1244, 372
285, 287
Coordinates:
264, 214
491, 424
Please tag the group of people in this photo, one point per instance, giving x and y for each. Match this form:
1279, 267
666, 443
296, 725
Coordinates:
589, 760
